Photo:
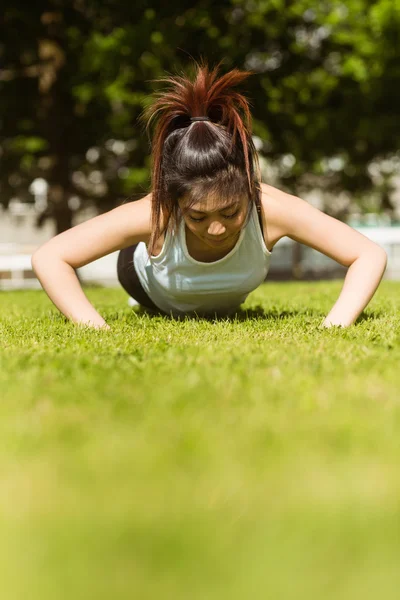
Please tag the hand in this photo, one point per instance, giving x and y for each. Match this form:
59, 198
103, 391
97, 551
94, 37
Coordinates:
325, 324
91, 325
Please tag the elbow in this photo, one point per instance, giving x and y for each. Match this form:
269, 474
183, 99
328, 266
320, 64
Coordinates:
378, 252
375, 256
383, 254
380, 257
385, 261
373, 252
35, 265
34, 261
45, 258
37, 259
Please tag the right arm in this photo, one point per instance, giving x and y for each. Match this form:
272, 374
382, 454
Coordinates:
55, 261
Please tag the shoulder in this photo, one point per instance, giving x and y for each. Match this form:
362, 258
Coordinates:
138, 213
285, 213
123, 226
276, 205
289, 215
275, 200
142, 206
135, 216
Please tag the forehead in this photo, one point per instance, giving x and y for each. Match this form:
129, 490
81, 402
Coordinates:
211, 203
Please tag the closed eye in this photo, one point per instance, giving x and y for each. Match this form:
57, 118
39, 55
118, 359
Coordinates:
224, 216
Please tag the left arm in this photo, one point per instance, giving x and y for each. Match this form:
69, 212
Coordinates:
366, 260
361, 281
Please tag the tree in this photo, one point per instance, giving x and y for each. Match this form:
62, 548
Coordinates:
76, 77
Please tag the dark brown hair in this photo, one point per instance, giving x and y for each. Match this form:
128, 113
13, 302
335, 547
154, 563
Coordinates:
196, 159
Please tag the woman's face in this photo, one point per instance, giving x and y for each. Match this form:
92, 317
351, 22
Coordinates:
216, 224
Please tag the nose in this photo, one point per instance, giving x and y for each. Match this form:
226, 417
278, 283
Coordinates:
216, 228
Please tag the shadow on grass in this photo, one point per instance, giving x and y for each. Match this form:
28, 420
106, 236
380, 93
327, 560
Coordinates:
371, 316
258, 313
241, 314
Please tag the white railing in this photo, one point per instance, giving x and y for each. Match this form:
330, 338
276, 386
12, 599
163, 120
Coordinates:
16, 270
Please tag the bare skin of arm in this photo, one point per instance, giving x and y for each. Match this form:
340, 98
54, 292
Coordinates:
288, 215
54, 262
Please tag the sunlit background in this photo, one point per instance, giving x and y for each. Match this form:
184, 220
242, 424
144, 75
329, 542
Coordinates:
255, 457
75, 77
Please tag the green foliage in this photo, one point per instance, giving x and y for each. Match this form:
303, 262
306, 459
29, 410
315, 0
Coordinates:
201, 459
28, 144
325, 84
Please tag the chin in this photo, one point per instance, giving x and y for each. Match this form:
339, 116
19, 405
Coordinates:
218, 242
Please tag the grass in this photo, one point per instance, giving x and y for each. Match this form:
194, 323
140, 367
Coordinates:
252, 457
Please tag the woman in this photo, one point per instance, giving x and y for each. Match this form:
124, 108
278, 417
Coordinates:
202, 239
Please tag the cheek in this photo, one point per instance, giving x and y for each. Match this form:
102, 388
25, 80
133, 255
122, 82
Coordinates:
195, 228
239, 222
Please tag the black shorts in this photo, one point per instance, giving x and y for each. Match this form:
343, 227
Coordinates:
129, 279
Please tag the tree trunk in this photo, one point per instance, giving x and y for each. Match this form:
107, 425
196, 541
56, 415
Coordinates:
297, 269
59, 209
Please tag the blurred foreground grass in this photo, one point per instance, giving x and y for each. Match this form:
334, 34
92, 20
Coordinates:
256, 457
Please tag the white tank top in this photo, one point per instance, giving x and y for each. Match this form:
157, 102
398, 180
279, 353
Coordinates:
178, 284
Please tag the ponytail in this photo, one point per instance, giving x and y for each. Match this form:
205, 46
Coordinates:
200, 157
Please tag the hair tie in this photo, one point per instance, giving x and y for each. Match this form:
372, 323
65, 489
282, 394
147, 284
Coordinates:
200, 119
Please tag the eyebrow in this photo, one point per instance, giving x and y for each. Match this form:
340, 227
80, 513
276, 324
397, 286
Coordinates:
225, 208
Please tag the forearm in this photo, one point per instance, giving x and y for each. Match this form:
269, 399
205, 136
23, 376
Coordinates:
360, 284
62, 286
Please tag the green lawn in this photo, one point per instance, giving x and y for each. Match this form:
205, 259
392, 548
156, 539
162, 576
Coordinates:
256, 457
